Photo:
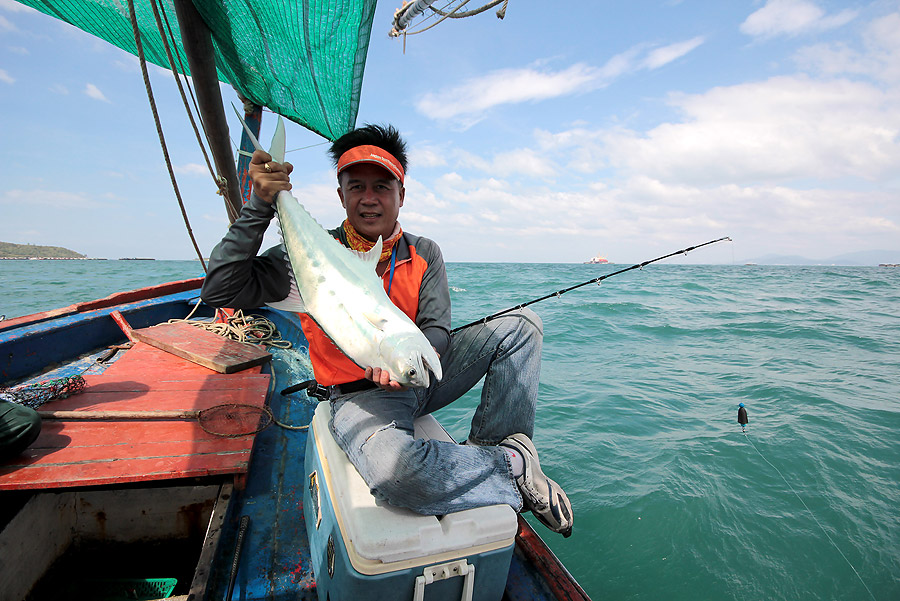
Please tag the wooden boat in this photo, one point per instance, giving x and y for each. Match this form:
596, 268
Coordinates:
63, 497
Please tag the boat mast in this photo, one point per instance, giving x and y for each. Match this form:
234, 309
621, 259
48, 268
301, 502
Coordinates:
197, 42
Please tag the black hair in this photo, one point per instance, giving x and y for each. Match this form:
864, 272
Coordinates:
383, 136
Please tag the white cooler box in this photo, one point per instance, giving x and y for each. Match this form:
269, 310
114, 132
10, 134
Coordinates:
363, 549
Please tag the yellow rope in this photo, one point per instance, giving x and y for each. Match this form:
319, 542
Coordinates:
253, 329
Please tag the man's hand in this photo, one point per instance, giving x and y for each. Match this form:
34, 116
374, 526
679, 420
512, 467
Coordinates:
269, 178
382, 379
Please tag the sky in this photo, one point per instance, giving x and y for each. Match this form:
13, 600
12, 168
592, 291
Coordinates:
564, 131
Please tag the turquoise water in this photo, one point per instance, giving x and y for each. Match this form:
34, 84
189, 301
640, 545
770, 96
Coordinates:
637, 417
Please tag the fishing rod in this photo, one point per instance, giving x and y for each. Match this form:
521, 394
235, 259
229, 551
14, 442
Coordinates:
683, 251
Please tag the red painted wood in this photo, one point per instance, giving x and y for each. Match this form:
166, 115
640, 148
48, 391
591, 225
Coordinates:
130, 296
201, 346
139, 294
146, 361
123, 325
145, 379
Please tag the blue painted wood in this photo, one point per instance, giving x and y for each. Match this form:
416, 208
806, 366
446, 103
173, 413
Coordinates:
275, 562
28, 350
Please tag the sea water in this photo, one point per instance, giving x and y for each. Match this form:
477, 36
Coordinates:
637, 417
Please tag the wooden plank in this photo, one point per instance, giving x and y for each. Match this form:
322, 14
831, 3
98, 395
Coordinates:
125, 470
203, 347
172, 395
69, 453
146, 363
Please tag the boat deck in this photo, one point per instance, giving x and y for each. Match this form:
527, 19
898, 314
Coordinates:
145, 379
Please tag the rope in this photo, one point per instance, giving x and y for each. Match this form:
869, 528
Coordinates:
168, 40
253, 329
799, 498
454, 14
159, 131
439, 21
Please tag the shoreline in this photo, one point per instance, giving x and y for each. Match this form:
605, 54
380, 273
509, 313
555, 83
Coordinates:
52, 259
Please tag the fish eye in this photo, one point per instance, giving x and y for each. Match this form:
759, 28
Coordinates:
412, 372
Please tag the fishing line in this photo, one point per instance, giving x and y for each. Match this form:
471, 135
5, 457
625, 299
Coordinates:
683, 251
799, 498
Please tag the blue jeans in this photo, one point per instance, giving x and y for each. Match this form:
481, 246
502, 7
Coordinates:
432, 477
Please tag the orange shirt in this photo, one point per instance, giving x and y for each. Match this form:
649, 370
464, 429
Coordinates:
330, 365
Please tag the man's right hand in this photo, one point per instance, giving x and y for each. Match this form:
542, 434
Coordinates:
269, 178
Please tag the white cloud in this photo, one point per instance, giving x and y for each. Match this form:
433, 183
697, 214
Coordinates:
19, 50
504, 87
427, 156
94, 92
6, 77
665, 55
880, 58
6, 25
60, 89
780, 129
468, 101
792, 17
192, 169
524, 161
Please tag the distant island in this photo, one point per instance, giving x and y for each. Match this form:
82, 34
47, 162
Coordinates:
8, 250
854, 259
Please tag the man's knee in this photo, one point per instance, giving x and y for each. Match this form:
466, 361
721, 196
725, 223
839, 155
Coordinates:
19, 428
531, 320
401, 478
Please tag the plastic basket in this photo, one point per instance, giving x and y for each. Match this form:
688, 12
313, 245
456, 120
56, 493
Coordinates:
127, 589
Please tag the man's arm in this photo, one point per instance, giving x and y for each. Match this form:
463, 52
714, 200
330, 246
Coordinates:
238, 278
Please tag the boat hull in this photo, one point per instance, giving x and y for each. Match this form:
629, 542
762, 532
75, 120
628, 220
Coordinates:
273, 555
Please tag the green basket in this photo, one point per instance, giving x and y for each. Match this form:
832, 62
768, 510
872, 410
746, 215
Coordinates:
127, 589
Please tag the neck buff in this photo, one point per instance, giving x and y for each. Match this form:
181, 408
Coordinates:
357, 242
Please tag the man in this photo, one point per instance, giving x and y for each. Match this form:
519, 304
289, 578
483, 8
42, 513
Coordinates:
372, 416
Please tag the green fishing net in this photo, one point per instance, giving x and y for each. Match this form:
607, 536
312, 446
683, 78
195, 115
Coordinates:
303, 59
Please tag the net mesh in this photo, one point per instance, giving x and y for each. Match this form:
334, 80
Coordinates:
303, 59
35, 395
232, 420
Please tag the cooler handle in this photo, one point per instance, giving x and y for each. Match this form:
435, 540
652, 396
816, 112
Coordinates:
443, 572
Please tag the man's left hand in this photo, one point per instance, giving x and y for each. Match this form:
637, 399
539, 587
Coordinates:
382, 379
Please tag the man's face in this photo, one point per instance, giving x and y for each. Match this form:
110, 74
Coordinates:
372, 197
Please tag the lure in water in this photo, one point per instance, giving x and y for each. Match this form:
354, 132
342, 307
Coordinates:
742, 417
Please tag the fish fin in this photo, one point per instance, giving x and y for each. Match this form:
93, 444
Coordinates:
375, 320
278, 143
373, 255
293, 301
433, 362
253, 140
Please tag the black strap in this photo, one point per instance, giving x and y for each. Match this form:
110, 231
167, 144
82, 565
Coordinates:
354, 386
314, 389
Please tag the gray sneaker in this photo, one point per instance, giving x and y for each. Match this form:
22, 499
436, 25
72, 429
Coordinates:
541, 495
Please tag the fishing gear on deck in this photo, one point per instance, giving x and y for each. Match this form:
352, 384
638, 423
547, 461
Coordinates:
683, 251
229, 420
35, 395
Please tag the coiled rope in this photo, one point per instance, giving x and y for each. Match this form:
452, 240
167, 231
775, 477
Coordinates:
253, 329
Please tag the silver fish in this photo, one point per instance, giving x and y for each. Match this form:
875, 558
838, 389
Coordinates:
339, 289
